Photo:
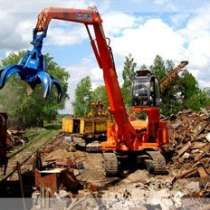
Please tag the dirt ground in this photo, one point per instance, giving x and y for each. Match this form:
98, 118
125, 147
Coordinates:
135, 190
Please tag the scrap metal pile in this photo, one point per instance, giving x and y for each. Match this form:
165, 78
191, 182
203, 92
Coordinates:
189, 166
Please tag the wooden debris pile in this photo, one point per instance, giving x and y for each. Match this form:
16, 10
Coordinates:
15, 138
190, 139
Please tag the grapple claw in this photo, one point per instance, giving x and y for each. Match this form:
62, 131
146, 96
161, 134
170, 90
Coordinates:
46, 82
32, 69
7, 72
58, 87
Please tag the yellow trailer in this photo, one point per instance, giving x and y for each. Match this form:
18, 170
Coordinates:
87, 127
70, 125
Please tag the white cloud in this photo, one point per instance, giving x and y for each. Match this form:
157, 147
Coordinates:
61, 37
86, 68
25, 29
115, 22
197, 39
149, 39
17, 20
34, 6
10, 38
154, 36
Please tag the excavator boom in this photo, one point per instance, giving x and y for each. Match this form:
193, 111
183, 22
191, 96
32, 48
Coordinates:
86, 16
103, 54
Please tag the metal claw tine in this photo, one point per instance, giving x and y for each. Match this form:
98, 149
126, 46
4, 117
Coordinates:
8, 72
59, 88
46, 82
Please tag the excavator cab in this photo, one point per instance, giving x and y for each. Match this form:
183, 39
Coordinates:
146, 91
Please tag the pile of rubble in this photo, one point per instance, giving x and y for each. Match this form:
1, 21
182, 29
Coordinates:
189, 167
190, 140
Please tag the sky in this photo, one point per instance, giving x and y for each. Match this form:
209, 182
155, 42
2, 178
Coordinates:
174, 29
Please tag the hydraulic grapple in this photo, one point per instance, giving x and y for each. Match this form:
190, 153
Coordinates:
32, 68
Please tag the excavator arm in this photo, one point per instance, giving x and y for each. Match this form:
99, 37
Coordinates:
85, 16
103, 53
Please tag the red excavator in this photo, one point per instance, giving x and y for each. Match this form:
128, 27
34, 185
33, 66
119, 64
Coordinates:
137, 140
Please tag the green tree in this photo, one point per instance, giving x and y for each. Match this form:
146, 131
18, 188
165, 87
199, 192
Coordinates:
207, 91
99, 94
158, 68
189, 85
128, 76
183, 93
31, 110
194, 98
83, 97
198, 100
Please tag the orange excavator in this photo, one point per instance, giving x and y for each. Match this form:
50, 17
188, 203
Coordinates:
128, 140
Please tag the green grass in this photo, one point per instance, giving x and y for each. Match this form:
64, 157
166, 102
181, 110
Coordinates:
35, 135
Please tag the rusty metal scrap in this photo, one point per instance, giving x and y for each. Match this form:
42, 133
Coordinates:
56, 171
49, 179
55, 179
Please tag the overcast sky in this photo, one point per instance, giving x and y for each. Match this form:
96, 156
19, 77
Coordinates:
174, 29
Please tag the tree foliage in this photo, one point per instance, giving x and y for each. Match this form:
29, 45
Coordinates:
183, 93
99, 94
83, 96
31, 110
199, 99
189, 85
128, 76
158, 68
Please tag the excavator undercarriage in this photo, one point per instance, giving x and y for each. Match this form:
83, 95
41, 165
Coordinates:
116, 163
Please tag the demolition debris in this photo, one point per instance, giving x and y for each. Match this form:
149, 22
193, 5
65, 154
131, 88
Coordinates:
61, 171
190, 132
